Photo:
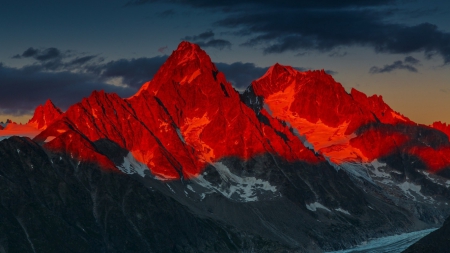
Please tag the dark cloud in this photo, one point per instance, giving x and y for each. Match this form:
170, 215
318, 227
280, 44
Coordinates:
411, 60
326, 30
206, 39
30, 52
134, 72
324, 25
219, 44
330, 72
48, 54
41, 55
81, 60
25, 88
407, 64
54, 59
76, 77
241, 74
202, 36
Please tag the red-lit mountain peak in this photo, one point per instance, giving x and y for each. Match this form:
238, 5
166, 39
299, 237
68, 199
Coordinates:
376, 105
277, 78
186, 117
328, 118
443, 127
203, 105
45, 115
182, 67
311, 95
316, 106
322, 111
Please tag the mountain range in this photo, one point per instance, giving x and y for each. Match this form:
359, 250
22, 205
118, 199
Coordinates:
294, 163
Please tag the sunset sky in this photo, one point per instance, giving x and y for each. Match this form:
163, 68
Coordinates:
63, 50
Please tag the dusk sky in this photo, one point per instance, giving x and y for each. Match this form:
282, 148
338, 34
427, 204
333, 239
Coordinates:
63, 50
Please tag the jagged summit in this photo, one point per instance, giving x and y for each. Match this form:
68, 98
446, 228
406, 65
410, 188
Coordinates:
183, 66
45, 115
442, 127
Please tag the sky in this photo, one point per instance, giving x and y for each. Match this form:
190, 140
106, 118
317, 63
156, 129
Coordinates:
63, 50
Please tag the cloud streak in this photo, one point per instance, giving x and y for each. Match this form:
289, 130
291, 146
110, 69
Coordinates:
206, 39
40, 55
406, 64
134, 72
25, 88
202, 36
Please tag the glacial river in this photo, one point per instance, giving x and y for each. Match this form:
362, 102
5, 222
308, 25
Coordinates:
389, 244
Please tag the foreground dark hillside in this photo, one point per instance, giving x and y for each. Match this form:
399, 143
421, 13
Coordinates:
51, 204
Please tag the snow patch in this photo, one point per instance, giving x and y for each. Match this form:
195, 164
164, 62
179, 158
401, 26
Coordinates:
376, 164
435, 179
408, 187
358, 170
330, 141
243, 189
189, 79
170, 188
398, 116
131, 166
377, 173
49, 138
342, 211
314, 206
190, 188
180, 135
267, 108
